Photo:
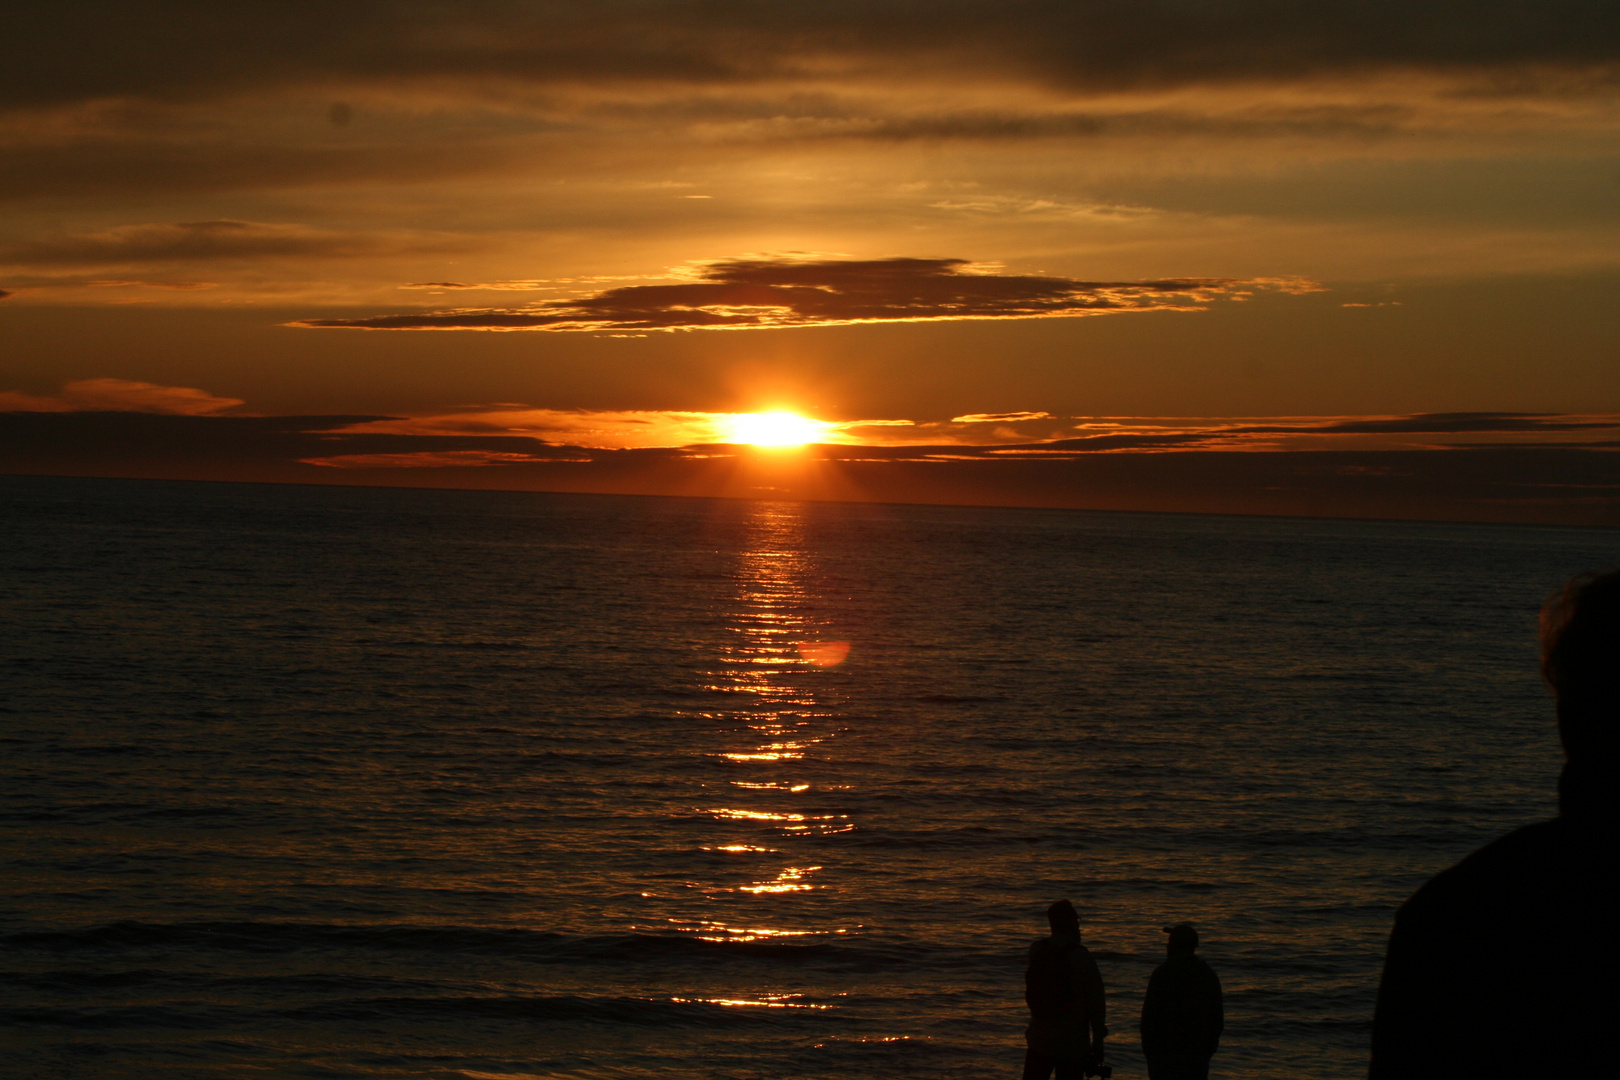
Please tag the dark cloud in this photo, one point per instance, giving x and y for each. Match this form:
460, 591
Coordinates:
1437, 424
183, 240
218, 447
1315, 121
75, 50
780, 292
1052, 450
1538, 431
430, 459
1596, 444
495, 286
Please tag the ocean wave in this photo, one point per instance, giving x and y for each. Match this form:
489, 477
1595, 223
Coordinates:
661, 1012
537, 946
183, 1017
564, 1008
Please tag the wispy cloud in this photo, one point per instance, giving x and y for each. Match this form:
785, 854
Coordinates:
179, 286
786, 291
496, 286
1000, 418
120, 395
428, 459
182, 241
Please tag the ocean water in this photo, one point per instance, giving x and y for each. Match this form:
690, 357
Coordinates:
327, 782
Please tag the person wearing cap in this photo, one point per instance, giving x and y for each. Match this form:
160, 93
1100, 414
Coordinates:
1064, 991
1504, 965
1182, 1019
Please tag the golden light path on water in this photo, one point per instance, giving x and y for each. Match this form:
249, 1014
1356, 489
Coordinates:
773, 642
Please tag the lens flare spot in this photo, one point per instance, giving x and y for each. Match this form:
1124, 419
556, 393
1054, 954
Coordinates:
824, 653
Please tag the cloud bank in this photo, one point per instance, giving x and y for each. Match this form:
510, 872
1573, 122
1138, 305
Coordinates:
1529, 477
511, 434
1000, 436
773, 292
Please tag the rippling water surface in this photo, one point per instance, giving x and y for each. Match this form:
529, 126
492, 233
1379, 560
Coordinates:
378, 783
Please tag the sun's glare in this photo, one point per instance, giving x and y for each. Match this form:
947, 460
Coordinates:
776, 428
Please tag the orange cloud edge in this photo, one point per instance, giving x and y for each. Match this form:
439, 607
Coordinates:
794, 290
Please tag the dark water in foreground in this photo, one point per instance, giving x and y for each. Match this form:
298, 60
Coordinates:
382, 783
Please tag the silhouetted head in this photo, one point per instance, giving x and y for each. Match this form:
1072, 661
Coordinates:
1065, 921
1580, 658
1183, 938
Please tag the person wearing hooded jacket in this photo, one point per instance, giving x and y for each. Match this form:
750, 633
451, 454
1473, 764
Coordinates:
1064, 992
1182, 1018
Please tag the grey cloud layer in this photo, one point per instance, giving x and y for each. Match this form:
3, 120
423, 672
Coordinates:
117, 98
782, 292
188, 148
75, 50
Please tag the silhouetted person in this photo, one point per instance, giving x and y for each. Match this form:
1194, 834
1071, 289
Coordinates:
1506, 964
1064, 991
1182, 1018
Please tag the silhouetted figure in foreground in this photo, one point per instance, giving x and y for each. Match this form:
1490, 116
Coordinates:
1064, 991
1506, 964
1182, 1018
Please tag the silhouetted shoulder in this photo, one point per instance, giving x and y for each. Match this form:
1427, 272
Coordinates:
1546, 843
1490, 962
1528, 884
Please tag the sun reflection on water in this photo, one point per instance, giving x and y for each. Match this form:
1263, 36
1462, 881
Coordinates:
774, 707
760, 815
765, 1001
791, 879
735, 848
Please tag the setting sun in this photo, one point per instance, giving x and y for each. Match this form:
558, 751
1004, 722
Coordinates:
776, 428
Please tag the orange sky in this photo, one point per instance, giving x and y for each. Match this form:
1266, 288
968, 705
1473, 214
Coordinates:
1191, 229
